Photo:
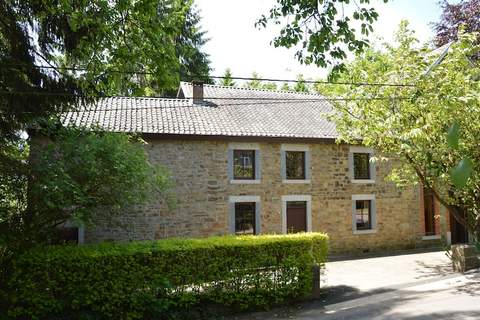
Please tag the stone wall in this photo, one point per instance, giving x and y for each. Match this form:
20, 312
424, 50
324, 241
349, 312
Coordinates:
202, 188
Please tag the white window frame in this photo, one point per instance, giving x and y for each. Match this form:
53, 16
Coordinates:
358, 149
294, 197
231, 204
283, 161
258, 165
373, 203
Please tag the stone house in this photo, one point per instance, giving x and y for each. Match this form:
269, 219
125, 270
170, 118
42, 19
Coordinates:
249, 161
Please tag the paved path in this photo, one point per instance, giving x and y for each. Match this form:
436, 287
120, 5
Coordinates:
386, 272
411, 286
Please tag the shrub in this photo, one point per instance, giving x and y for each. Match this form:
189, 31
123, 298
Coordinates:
156, 279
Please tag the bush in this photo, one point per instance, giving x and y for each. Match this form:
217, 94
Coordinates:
158, 279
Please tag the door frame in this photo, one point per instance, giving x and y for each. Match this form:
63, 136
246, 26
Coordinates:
307, 199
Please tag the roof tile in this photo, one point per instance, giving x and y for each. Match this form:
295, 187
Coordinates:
227, 111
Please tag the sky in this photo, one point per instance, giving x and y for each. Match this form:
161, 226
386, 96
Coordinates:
235, 43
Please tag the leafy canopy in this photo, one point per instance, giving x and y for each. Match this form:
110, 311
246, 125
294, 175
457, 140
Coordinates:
83, 176
433, 126
323, 31
104, 40
91, 49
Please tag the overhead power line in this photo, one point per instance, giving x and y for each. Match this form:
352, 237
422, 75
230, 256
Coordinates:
192, 77
276, 99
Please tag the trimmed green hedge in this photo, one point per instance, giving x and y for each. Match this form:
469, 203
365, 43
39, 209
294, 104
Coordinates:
158, 279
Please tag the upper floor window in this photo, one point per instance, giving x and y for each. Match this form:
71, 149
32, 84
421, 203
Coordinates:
244, 164
362, 168
295, 165
295, 160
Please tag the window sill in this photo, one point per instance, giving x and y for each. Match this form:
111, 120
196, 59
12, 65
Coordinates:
256, 181
363, 180
434, 237
296, 181
370, 231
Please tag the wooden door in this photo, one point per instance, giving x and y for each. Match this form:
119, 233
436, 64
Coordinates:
296, 216
429, 212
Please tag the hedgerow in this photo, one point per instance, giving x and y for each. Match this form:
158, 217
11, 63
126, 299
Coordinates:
160, 279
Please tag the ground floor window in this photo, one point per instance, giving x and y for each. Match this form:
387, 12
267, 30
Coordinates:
245, 218
244, 214
364, 213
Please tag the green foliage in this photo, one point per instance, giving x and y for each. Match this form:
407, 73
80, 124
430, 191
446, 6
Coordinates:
461, 173
109, 39
433, 125
285, 87
194, 63
81, 175
300, 85
255, 82
161, 279
322, 31
227, 80
453, 135
13, 179
269, 86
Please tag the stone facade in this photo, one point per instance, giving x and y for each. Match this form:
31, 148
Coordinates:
202, 188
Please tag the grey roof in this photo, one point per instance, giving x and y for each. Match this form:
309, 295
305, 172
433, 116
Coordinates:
227, 111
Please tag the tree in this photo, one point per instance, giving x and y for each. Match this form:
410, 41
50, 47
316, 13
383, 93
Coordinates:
323, 30
255, 82
269, 86
227, 79
86, 49
285, 87
103, 41
300, 85
430, 121
81, 176
194, 63
454, 15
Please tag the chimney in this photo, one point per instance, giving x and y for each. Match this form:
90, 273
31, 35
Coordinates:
197, 93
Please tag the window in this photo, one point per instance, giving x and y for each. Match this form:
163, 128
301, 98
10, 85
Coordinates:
363, 214
364, 217
361, 166
244, 164
245, 218
244, 214
295, 165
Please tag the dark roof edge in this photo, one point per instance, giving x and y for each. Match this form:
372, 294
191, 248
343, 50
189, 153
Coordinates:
166, 136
